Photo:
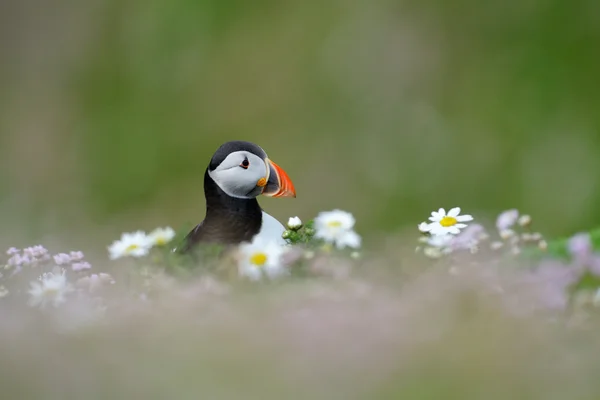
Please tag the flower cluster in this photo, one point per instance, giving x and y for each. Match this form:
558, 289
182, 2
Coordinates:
325, 245
443, 224
138, 244
560, 282
261, 258
576, 279
47, 275
333, 228
447, 233
514, 233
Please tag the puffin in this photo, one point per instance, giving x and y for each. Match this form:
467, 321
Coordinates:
236, 175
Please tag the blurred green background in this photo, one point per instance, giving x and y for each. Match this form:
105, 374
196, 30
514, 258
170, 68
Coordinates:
111, 109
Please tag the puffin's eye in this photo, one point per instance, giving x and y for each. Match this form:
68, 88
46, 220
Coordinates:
245, 164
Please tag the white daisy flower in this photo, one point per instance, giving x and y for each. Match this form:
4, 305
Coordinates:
261, 257
51, 288
451, 223
161, 236
294, 223
336, 227
135, 244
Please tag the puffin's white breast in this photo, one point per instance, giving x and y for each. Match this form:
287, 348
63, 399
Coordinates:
271, 229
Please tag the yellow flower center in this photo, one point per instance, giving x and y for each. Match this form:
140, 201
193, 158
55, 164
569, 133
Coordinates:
131, 247
160, 241
448, 221
334, 224
258, 259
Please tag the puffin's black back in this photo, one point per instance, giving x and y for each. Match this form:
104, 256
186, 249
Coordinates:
229, 220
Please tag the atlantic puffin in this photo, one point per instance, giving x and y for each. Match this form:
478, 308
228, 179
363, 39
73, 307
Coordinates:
236, 175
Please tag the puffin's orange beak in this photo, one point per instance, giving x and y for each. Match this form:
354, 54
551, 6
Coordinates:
279, 183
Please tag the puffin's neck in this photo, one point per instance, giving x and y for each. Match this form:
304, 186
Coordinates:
223, 206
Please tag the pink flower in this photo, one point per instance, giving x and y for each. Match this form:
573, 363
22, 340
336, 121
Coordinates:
76, 255
580, 247
507, 219
80, 266
62, 258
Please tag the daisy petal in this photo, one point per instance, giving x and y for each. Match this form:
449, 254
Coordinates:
464, 218
424, 227
438, 230
460, 226
454, 212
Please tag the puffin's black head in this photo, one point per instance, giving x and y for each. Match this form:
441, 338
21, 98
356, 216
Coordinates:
243, 170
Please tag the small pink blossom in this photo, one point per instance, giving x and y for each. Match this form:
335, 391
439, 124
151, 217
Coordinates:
580, 246
507, 219
62, 259
19, 260
80, 266
76, 255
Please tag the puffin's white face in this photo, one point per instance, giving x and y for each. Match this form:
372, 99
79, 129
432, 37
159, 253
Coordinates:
241, 174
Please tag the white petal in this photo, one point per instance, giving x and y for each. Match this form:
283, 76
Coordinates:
274, 271
460, 226
454, 212
453, 230
464, 218
437, 229
435, 219
442, 212
424, 227
250, 272
350, 239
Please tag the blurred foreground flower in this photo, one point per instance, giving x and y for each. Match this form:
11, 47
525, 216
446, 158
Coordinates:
336, 227
507, 219
93, 282
161, 236
51, 287
580, 247
442, 223
135, 244
29, 256
260, 258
